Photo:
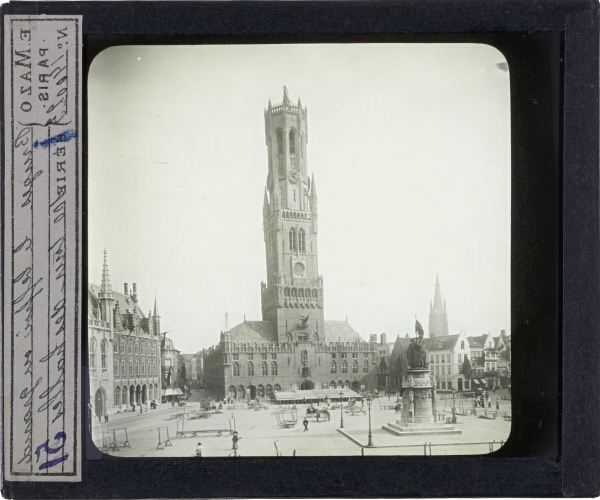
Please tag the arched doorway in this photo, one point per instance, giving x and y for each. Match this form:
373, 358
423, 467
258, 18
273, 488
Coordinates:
356, 386
307, 385
131, 395
138, 394
241, 392
269, 390
261, 391
144, 394
232, 392
332, 385
277, 388
100, 403
251, 391
348, 386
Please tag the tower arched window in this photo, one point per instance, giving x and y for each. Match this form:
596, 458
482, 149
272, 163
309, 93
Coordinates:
304, 357
355, 366
273, 368
302, 240
264, 369
333, 366
93, 353
236, 369
103, 353
292, 142
366, 365
250, 369
344, 366
279, 142
293, 240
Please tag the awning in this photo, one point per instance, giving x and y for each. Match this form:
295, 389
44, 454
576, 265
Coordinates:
176, 391
315, 395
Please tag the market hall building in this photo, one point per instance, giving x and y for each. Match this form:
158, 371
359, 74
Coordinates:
292, 347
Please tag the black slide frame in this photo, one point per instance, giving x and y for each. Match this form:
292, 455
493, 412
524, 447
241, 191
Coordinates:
553, 53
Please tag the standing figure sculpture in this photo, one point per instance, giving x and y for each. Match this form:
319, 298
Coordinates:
416, 350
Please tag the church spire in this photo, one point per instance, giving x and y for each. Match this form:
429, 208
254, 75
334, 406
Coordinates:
438, 318
437, 298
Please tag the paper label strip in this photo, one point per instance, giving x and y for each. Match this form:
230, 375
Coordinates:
42, 248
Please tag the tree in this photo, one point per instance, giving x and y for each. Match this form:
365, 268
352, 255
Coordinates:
466, 368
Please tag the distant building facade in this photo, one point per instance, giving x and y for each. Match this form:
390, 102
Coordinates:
171, 365
123, 348
446, 355
292, 347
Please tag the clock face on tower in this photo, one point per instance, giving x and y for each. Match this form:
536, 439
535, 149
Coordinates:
299, 268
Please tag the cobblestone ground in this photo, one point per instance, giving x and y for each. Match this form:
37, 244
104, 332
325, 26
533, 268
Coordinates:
260, 433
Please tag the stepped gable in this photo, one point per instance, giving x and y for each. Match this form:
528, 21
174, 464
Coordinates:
448, 342
341, 331
253, 331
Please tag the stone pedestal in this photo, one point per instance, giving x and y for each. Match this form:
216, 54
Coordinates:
417, 397
417, 408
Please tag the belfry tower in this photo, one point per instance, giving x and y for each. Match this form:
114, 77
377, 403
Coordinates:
292, 297
438, 318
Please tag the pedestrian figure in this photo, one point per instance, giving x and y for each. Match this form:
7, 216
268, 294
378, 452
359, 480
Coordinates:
235, 440
106, 418
497, 404
140, 409
305, 422
173, 403
132, 406
199, 450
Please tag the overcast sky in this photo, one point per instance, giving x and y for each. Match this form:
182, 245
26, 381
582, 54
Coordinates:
409, 145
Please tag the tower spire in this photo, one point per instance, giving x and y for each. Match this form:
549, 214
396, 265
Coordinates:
156, 313
286, 97
105, 296
105, 285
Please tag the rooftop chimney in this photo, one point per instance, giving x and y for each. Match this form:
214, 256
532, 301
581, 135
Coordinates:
125, 291
135, 292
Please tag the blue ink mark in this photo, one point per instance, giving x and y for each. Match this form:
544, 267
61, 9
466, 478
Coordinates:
66, 136
48, 450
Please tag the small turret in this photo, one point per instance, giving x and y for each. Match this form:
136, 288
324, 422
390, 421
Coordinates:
314, 202
265, 206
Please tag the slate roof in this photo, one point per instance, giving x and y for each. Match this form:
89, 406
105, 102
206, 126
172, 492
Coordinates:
448, 342
125, 302
254, 331
477, 341
341, 331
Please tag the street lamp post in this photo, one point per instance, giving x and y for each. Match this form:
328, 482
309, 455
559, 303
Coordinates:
370, 443
453, 407
341, 411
